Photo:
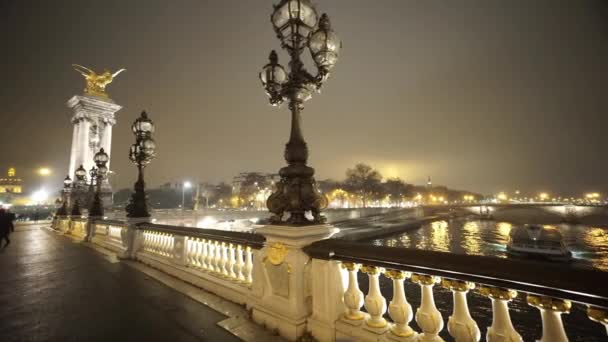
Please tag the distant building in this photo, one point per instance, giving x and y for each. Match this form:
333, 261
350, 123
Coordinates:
245, 182
11, 184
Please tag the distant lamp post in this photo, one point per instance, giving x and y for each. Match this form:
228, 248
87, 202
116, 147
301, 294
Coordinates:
141, 154
39, 198
65, 194
78, 189
101, 159
298, 27
185, 185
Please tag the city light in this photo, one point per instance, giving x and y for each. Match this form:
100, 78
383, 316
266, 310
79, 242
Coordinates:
543, 196
502, 196
40, 196
187, 185
44, 171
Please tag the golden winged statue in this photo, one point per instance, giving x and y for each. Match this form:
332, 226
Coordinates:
96, 83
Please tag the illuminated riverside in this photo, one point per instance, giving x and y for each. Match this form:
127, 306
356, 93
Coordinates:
589, 246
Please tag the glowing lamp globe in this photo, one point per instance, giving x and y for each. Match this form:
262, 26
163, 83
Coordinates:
143, 126
293, 20
325, 45
101, 158
273, 73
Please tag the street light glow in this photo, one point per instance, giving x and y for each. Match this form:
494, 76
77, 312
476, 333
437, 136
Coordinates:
44, 171
40, 196
187, 185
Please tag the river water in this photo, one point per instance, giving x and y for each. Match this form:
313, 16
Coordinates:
589, 246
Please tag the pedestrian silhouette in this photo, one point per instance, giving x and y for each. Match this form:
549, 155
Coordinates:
6, 226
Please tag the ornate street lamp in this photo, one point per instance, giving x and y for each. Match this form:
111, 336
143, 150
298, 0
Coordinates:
79, 185
65, 194
141, 154
101, 159
298, 27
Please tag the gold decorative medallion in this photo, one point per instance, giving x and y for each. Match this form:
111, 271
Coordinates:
276, 253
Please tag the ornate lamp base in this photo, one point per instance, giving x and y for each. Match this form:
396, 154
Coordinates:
297, 194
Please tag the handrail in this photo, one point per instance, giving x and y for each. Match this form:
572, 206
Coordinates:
252, 240
111, 222
579, 285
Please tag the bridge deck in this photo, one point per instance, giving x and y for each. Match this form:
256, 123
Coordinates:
54, 290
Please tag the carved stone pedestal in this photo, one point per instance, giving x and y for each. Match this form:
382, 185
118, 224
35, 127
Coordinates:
282, 282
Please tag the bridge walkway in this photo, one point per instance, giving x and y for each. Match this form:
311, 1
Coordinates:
52, 289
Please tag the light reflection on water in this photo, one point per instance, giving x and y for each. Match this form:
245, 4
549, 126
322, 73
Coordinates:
589, 245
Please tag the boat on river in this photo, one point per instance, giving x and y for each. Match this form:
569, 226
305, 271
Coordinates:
538, 241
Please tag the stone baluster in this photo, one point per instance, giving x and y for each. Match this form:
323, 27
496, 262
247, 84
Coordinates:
195, 252
231, 261
161, 243
239, 265
217, 259
248, 269
211, 256
167, 244
202, 253
164, 246
501, 329
171, 246
399, 309
353, 297
375, 304
155, 242
551, 310
429, 319
147, 241
461, 325
224, 260
599, 315
189, 254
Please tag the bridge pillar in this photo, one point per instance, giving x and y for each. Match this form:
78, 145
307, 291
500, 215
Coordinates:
282, 278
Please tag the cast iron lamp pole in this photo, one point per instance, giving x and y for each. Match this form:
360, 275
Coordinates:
101, 159
79, 188
296, 25
141, 154
65, 194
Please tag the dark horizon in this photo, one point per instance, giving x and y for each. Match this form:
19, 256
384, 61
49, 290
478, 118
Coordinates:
481, 96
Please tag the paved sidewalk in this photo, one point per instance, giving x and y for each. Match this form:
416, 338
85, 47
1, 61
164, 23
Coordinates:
52, 289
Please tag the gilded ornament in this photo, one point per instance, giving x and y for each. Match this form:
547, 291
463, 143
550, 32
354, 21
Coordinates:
457, 285
397, 274
276, 253
96, 83
549, 303
373, 270
497, 292
425, 279
599, 315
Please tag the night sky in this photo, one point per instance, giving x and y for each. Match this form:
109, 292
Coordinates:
481, 95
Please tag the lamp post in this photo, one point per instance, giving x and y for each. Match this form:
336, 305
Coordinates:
141, 154
101, 159
78, 187
298, 27
185, 185
65, 194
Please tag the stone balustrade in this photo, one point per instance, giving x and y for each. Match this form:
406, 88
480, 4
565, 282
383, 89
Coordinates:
364, 316
297, 286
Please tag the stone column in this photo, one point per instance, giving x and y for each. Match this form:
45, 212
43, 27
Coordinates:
282, 278
91, 110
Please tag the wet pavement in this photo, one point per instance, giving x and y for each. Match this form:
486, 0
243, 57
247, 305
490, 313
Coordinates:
52, 289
